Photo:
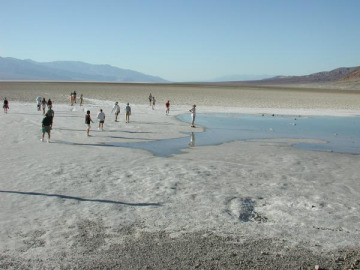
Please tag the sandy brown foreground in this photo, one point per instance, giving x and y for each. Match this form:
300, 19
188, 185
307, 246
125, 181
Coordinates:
183, 94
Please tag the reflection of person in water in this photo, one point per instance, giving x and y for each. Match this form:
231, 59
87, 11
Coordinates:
192, 139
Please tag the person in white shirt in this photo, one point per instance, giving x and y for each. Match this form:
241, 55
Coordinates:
193, 114
38, 102
101, 119
116, 108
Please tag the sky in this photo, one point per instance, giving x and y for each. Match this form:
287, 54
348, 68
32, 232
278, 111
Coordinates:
186, 40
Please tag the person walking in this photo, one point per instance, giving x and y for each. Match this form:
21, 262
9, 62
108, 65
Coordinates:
43, 105
38, 102
81, 99
167, 105
153, 103
101, 119
71, 98
193, 114
49, 103
6, 105
127, 113
46, 126
150, 99
87, 122
116, 108
51, 114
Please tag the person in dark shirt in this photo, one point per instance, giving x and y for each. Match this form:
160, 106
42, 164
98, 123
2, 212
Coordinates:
46, 127
49, 103
87, 122
6, 105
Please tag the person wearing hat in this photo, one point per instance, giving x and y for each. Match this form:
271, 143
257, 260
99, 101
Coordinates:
193, 114
116, 108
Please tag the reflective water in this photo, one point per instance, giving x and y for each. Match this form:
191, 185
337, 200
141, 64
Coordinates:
339, 134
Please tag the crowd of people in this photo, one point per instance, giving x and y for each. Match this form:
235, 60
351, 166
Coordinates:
47, 121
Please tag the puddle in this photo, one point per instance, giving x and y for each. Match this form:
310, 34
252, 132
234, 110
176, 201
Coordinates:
339, 134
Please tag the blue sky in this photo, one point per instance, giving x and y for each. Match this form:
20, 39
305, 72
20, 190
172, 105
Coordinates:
186, 40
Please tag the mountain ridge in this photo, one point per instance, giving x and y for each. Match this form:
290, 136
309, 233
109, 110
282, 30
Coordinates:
335, 75
16, 69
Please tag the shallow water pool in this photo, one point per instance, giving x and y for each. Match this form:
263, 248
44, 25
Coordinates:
338, 134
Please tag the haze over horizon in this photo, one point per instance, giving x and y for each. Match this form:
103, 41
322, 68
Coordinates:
186, 40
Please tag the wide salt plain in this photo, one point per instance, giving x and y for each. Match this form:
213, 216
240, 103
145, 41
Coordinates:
261, 189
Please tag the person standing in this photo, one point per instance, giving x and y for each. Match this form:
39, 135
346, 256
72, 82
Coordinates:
49, 103
193, 114
38, 102
6, 105
46, 127
87, 122
150, 99
51, 114
116, 108
127, 113
167, 105
81, 99
74, 96
153, 103
43, 105
101, 119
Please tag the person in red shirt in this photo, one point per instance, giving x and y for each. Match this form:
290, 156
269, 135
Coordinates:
167, 104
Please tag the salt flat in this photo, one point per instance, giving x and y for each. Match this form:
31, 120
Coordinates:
77, 203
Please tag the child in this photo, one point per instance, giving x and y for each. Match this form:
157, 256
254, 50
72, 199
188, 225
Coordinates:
87, 122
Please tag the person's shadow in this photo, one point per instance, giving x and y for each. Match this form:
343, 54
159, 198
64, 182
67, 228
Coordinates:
79, 198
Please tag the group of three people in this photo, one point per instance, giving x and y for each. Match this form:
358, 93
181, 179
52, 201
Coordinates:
101, 117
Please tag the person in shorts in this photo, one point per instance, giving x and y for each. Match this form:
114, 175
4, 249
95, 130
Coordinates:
43, 105
116, 108
101, 119
46, 127
87, 122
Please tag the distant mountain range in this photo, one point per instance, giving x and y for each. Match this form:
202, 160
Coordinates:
339, 74
239, 77
15, 69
